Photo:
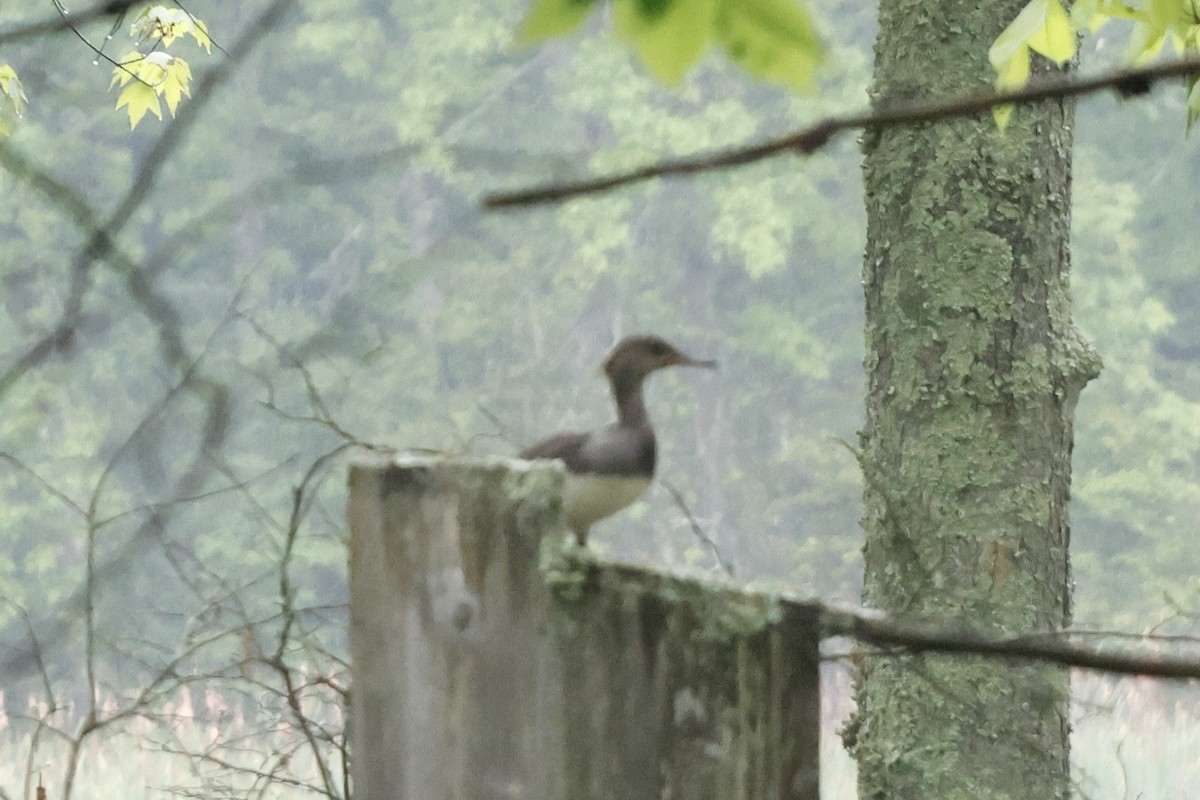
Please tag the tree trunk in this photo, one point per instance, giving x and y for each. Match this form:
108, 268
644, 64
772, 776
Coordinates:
974, 371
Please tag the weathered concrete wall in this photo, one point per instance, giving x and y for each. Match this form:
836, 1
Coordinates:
492, 659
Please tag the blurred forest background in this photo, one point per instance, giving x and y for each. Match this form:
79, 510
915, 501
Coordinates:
311, 268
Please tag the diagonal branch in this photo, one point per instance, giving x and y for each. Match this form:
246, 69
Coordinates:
60, 22
1126, 82
1050, 648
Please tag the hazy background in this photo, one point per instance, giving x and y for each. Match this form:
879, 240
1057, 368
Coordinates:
311, 266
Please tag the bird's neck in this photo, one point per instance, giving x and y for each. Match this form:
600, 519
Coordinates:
631, 407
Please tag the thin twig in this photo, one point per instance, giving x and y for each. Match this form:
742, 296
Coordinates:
71, 25
697, 531
195, 21
61, 22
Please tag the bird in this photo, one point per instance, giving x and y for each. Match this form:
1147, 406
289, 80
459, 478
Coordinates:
611, 467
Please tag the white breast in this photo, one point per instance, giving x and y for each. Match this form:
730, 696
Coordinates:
588, 498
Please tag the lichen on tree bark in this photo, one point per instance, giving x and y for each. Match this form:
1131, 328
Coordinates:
974, 370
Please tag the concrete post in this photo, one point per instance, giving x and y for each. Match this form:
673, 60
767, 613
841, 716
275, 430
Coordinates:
493, 659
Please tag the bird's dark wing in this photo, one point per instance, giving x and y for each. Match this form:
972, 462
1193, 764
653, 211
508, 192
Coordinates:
622, 452
566, 446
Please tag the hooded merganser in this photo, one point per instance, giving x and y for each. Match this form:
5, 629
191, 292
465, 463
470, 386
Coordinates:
610, 468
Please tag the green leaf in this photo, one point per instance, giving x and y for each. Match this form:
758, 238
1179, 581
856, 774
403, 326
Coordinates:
1056, 39
10, 87
1169, 14
1161, 21
200, 34
1093, 14
1193, 102
138, 98
174, 84
1042, 25
553, 18
1016, 36
126, 69
148, 77
1002, 115
669, 36
160, 22
168, 24
772, 39
1145, 43
1014, 72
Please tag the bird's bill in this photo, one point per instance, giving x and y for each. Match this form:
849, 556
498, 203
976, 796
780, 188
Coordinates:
688, 361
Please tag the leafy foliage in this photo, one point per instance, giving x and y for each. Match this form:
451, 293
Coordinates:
1045, 27
771, 39
146, 78
1042, 27
13, 92
323, 238
161, 24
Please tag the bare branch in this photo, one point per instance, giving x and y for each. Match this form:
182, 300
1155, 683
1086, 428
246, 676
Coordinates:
50, 488
62, 22
73, 26
1051, 648
312, 733
1126, 82
323, 416
699, 533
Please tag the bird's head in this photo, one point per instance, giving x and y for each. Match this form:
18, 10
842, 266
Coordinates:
637, 356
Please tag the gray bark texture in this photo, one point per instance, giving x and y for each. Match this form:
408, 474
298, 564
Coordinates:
974, 371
